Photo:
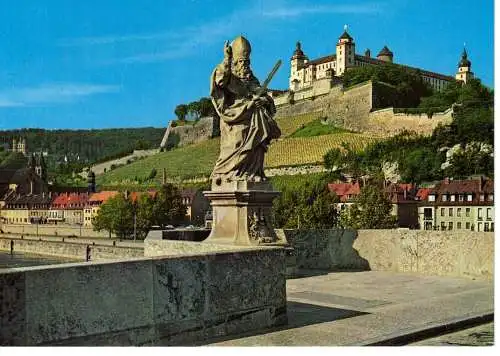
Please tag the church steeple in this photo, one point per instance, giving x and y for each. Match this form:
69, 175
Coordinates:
464, 72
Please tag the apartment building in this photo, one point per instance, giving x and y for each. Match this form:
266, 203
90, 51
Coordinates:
458, 205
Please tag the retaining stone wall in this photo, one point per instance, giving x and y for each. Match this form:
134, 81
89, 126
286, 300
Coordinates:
72, 249
52, 230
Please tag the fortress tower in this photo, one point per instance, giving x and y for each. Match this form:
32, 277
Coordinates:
464, 72
345, 51
297, 62
385, 55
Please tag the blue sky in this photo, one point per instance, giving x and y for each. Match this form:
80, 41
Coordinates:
127, 63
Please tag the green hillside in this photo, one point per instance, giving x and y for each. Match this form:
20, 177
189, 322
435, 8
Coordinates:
184, 162
85, 146
198, 160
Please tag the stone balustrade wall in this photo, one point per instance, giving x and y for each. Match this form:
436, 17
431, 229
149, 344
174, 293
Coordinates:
182, 300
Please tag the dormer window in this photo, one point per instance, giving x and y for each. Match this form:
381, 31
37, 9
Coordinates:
481, 197
432, 197
452, 197
490, 197
444, 197
460, 197
469, 197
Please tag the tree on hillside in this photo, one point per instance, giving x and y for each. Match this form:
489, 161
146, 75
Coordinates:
346, 160
206, 107
116, 216
194, 110
408, 83
181, 111
168, 208
371, 210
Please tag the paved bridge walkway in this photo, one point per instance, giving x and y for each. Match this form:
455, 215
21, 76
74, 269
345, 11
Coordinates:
374, 308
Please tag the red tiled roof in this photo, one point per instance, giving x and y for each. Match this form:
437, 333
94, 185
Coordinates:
344, 190
70, 200
476, 187
321, 60
134, 196
422, 193
464, 186
102, 196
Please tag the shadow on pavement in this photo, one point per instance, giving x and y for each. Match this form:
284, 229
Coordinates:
299, 315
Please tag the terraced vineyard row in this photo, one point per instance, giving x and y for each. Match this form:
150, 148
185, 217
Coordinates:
190, 161
307, 150
198, 160
290, 124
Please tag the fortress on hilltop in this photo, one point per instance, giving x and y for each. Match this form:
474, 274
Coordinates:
315, 86
304, 73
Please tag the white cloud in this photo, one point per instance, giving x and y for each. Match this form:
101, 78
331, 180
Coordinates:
187, 41
297, 11
52, 93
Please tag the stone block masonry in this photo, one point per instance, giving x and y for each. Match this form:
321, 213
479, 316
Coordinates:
366, 107
445, 253
53, 230
72, 248
184, 300
202, 130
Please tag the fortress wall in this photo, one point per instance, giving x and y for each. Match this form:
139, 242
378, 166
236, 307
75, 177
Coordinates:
311, 103
353, 109
204, 129
387, 123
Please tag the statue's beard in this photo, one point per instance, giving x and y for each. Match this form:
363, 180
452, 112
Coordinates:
242, 72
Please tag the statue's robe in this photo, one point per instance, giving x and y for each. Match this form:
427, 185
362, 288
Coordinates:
245, 132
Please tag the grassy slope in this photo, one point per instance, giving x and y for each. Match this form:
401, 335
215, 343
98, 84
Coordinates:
198, 160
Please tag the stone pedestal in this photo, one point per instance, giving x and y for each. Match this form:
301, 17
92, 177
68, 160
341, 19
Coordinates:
242, 213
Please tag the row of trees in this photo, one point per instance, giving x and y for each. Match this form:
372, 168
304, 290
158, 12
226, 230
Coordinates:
309, 204
195, 110
124, 217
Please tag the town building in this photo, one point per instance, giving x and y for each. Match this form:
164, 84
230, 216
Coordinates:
25, 209
67, 208
94, 203
458, 205
401, 195
320, 72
